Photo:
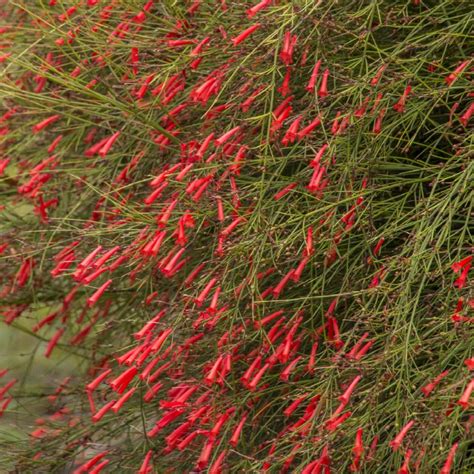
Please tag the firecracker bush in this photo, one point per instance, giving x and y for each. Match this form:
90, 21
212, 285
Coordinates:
251, 226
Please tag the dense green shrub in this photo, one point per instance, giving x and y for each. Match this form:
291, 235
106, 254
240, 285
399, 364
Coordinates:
246, 226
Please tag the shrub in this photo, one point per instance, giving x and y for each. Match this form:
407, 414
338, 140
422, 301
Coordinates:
248, 228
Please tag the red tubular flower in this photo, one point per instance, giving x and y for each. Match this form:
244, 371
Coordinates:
312, 467
173, 438
150, 394
457, 267
312, 358
461, 281
314, 76
378, 122
162, 219
286, 53
99, 467
248, 373
291, 457
202, 296
212, 374
3, 164
283, 192
334, 422
226, 136
153, 247
4, 57
150, 325
92, 300
252, 385
94, 149
53, 342
251, 12
333, 334
466, 116
309, 128
108, 144
91, 463
86, 280
120, 402
228, 230
197, 50
203, 460
160, 340
292, 133
344, 398
294, 405
364, 350
246, 104
120, 383
216, 467
141, 92
315, 162
99, 262
375, 80
45, 123
180, 42
145, 468
397, 441
469, 363
428, 388
357, 346
193, 275
150, 366
357, 450
279, 119
7, 387
151, 198
4, 404
213, 306
406, 463
285, 375
316, 181
373, 448
446, 469
464, 400
168, 266
268, 319
281, 285
245, 34
100, 414
452, 77
284, 89
53, 145
400, 105
87, 262
376, 249
238, 160
98, 380
164, 421
187, 440
63, 265
360, 112
24, 272
220, 423
282, 107
323, 88
299, 269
